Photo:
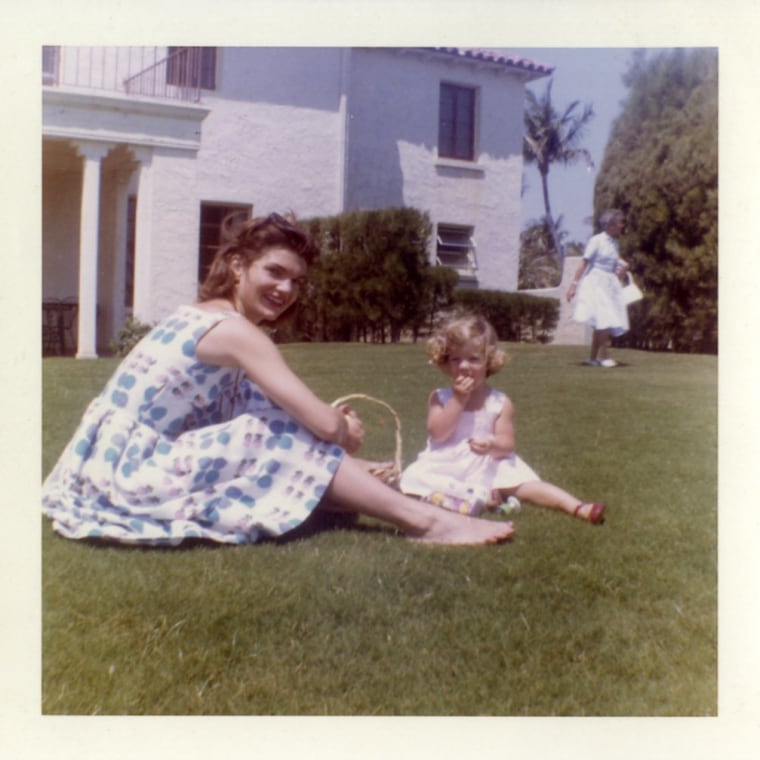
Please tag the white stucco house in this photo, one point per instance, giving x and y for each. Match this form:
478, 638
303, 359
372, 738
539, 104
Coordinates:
146, 149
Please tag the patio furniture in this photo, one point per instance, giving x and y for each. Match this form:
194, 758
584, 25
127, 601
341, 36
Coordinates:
59, 322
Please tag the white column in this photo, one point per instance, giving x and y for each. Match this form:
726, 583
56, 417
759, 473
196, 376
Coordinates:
120, 251
142, 305
92, 153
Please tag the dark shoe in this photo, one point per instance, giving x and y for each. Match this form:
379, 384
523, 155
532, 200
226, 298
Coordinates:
595, 516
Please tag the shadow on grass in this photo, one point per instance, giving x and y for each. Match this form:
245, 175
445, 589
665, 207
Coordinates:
619, 365
323, 521
320, 521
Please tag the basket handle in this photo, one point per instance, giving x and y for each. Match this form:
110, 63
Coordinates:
362, 396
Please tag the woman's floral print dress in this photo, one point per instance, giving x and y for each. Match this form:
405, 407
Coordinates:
174, 449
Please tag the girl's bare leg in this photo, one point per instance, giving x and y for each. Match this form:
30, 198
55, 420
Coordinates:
354, 489
548, 495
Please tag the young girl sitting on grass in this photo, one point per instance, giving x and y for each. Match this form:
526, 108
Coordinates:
470, 461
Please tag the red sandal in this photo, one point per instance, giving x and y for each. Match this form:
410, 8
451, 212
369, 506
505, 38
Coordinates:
595, 516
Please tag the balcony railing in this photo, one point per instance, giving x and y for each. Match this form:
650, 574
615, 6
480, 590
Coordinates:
153, 72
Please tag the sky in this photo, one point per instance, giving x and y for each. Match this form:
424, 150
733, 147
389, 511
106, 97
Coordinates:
592, 76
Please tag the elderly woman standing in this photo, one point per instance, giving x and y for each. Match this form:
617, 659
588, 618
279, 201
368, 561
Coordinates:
600, 302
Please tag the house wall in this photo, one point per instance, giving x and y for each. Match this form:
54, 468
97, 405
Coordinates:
267, 141
312, 130
168, 220
272, 137
393, 151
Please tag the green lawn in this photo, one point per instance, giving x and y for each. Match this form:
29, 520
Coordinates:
568, 619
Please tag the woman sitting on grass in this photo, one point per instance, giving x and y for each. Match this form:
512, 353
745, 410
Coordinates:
470, 461
204, 432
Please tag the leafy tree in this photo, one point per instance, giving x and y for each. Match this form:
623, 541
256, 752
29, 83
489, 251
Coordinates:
373, 280
661, 168
439, 285
385, 253
551, 138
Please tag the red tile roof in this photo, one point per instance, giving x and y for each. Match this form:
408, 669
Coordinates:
504, 59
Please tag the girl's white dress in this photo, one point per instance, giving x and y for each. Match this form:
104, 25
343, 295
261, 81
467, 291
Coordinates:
452, 475
176, 449
599, 301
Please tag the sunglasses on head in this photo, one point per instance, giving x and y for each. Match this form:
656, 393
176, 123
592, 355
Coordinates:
273, 219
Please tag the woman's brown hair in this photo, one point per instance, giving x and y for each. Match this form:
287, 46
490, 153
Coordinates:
247, 241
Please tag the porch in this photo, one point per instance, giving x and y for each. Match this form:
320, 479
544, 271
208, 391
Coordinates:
110, 116
59, 322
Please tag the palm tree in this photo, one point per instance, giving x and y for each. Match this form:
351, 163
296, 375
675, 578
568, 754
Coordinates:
552, 138
539, 267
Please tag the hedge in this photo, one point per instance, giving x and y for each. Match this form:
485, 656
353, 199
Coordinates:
515, 317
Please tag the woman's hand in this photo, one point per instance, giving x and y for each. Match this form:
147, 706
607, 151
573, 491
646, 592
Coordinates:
576, 279
239, 343
354, 433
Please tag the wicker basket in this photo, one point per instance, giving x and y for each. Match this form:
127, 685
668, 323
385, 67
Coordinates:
391, 473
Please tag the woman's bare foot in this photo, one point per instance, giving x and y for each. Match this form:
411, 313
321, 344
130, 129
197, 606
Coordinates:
451, 528
353, 490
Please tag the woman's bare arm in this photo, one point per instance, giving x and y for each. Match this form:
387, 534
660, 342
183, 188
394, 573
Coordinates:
238, 343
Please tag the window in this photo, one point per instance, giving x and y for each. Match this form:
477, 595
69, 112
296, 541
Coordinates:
192, 67
50, 59
456, 122
212, 216
455, 248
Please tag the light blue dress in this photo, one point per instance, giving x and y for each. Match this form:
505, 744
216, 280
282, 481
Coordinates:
599, 302
174, 449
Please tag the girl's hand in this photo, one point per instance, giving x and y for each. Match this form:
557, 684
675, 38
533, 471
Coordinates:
354, 436
463, 387
481, 445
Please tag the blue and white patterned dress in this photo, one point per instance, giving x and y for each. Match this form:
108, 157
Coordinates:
174, 448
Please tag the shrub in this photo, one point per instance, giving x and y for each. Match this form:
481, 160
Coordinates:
129, 336
515, 316
373, 281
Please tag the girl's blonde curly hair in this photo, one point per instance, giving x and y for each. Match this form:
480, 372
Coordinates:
457, 332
